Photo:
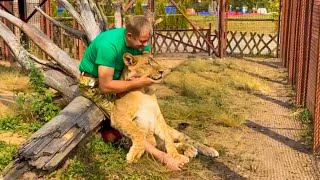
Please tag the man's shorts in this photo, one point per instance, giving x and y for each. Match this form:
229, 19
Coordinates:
89, 88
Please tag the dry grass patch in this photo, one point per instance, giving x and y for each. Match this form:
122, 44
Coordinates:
211, 92
12, 79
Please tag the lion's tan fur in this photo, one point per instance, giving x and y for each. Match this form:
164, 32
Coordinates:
137, 115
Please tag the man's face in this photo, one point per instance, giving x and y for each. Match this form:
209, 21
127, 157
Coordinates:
138, 42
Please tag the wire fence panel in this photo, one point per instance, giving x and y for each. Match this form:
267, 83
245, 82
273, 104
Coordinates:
252, 34
300, 54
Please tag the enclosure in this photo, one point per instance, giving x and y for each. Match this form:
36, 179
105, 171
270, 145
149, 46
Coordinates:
236, 53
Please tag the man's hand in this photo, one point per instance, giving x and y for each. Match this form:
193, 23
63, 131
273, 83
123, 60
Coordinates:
143, 81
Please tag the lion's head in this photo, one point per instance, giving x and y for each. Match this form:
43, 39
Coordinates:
141, 66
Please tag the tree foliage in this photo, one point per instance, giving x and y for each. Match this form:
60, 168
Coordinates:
138, 9
171, 21
271, 5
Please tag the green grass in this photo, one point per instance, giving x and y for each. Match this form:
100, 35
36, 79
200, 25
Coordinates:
6, 153
99, 160
304, 117
266, 27
212, 97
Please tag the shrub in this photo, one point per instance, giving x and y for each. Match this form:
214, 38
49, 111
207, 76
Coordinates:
138, 10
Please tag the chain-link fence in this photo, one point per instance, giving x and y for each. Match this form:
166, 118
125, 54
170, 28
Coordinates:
300, 45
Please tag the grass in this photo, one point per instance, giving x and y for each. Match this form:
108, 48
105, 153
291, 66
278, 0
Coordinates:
266, 27
212, 98
208, 96
6, 153
211, 93
304, 117
99, 160
12, 80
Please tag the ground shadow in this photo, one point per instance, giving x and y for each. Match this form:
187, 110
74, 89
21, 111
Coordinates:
285, 104
220, 169
296, 145
282, 81
276, 65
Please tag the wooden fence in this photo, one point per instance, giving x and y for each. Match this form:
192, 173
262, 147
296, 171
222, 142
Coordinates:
182, 41
251, 44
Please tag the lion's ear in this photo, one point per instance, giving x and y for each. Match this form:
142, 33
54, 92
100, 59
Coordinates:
128, 59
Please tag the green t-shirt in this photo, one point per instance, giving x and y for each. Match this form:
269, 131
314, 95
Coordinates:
107, 49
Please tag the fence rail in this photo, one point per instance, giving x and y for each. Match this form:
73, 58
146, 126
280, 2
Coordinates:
180, 41
252, 44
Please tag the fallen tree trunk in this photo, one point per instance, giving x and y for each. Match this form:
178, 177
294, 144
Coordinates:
53, 77
46, 149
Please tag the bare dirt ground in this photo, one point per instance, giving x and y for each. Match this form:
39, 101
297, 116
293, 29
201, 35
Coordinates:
266, 146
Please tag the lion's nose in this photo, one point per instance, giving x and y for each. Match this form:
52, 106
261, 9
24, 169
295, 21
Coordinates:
161, 71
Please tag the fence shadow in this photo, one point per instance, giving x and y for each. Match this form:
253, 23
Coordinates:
296, 145
276, 65
285, 104
220, 169
283, 81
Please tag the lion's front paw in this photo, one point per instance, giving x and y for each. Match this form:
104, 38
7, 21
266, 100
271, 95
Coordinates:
181, 158
187, 149
190, 151
135, 152
208, 151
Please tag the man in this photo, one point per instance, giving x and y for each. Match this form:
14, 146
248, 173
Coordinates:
101, 68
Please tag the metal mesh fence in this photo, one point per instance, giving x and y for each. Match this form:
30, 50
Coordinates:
252, 32
300, 54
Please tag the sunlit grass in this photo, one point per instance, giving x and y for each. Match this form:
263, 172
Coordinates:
209, 95
266, 27
99, 160
12, 79
6, 153
209, 89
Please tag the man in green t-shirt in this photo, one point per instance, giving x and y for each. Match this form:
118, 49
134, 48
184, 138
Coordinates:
101, 68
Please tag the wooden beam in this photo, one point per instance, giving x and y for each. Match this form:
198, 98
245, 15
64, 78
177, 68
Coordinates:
222, 29
194, 27
125, 9
22, 6
34, 11
4, 8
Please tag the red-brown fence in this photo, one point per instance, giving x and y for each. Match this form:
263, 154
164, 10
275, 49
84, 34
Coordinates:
300, 25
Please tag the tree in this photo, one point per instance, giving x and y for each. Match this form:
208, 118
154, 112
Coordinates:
271, 5
138, 9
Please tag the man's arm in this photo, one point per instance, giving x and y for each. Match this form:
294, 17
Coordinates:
108, 85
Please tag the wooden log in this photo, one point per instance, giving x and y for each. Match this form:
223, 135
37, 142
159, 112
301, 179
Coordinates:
46, 148
46, 44
52, 77
91, 18
117, 15
70, 31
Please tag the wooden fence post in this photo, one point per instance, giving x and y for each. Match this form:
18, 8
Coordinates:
222, 29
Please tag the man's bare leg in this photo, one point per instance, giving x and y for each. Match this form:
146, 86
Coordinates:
171, 162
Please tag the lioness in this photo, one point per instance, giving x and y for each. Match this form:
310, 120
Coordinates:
137, 115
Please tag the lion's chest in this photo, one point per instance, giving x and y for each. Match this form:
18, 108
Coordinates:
148, 112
